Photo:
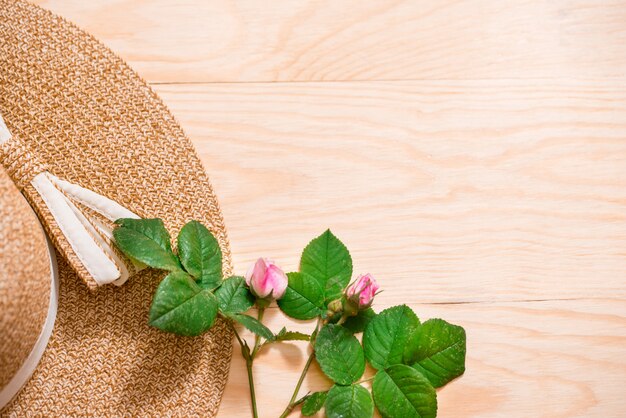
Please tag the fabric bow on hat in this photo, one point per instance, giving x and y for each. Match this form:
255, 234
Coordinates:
84, 218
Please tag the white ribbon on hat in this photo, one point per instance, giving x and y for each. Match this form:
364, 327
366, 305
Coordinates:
89, 238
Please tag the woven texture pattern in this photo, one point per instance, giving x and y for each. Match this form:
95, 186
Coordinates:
24, 279
95, 123
21, 164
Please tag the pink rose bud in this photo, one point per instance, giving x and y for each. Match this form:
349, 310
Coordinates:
266, 280
361, 292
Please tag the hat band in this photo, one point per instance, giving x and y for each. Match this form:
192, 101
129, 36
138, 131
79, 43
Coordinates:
26, 370
84, 217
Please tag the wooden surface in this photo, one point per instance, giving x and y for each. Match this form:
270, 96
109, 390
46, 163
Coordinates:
471, 154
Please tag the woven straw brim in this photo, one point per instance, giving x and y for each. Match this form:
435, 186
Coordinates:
79, 110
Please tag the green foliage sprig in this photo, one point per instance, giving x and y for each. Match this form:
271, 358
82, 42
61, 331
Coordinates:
411, 358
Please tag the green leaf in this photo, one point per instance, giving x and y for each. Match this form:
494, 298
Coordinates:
387, 336
401, 391
314, 403
339, 354
334, 288
352, 401
253, 325
284, 335
358, 323
233, 295
200, 254
437, 350
147, 241
303, 298
327, 259
180, 306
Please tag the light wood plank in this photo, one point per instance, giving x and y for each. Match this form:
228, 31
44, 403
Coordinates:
446, 191
530, 359
287, 40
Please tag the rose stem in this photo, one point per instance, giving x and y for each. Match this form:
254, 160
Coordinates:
257, 338
292, 401
245, 352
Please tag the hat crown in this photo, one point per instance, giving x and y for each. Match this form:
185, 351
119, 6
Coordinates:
25, 287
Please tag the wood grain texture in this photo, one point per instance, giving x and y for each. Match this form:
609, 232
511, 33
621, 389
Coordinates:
461, 191
484, 182
288, 40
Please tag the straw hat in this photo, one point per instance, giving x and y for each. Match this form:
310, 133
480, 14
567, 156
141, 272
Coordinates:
87, 141
28, 290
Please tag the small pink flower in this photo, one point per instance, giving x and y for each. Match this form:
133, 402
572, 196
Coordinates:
266, 280
361, 292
